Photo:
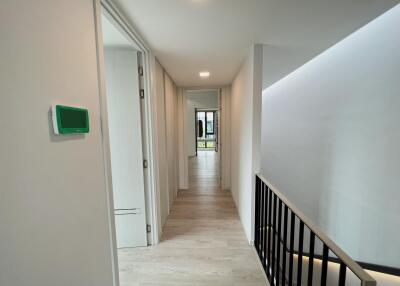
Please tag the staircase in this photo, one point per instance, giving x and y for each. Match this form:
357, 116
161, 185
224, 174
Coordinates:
294, 251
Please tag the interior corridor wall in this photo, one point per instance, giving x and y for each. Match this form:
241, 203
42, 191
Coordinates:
225, 137
166, 101
183, 162
53, 202
330, 140
161, 144
191, 128
245, 135
171, 114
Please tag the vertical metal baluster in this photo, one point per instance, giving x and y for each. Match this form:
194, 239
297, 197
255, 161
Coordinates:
284, 247
342, 274
278, 244
259, 219
269, 231
267, 222
266, 228
262, 223
300, 254
311, 259
263, 207
292, 222
324, 270
256, 216
273, 241
264, 188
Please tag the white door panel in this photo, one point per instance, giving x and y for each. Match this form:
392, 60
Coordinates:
129, 229
124, 118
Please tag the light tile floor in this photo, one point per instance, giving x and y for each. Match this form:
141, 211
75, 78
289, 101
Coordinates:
203, 241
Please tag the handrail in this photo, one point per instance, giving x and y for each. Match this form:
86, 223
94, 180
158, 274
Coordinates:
366, 279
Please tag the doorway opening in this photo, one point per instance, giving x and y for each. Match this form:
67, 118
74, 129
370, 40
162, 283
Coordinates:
125, 136
124, 76
203, 113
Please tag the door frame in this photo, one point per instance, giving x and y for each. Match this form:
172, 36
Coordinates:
148, 133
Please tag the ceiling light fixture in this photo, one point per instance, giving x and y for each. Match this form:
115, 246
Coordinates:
204, 74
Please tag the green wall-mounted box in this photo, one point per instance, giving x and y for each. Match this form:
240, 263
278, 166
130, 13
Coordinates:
70, 120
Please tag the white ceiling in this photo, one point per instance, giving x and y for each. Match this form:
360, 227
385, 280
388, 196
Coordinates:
189, 36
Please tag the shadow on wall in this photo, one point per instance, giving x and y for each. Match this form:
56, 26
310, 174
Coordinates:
330, 140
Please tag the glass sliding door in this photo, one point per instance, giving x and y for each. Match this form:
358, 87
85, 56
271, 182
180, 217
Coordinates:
206, 130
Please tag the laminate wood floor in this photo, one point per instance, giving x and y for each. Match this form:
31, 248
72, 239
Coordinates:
203, 242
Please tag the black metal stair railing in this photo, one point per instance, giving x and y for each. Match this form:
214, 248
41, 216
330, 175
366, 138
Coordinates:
285, 252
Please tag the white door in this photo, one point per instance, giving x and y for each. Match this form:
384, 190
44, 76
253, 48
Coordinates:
123, 103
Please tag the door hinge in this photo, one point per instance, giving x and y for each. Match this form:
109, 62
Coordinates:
140, 70
141, 93
148, 228
145, 165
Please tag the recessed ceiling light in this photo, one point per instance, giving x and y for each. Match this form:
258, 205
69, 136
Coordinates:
204, 74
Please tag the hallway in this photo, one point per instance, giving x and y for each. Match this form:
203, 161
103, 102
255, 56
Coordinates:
203, 241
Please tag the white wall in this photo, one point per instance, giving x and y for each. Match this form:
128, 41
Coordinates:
161, 143
53, 206
331, 140
197, 99
190, 128
182, 137
166, 101
225, 137
245, 135
207, 98
280, 61
171, 113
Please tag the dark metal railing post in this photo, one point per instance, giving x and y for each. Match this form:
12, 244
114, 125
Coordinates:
300, 254
285, 218
269, 231
264, 190
342, 274
292, 222
265, 264
324, 270
278, 251
273, 241
311, 259
262, 222
257, 216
